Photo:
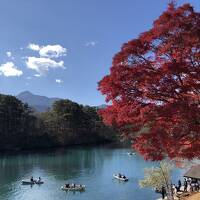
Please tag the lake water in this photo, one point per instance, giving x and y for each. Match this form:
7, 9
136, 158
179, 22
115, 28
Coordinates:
92, 166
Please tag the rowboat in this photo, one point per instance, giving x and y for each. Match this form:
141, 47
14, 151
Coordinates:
73, 188
130, 153
39, 182
121, 178
28, 182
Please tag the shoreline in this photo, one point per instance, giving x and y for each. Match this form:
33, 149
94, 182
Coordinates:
195, 196
106, 144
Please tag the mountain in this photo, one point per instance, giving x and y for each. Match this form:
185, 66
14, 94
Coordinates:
102, 106
39, 103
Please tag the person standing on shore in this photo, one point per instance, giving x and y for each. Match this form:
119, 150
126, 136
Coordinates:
179, 185
163, 191
185, 185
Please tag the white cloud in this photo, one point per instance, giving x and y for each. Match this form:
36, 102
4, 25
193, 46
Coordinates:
9, 54
42, 65
91, 43
33, 47
9, 69
49, 51
37, 75
52, 51
59, 81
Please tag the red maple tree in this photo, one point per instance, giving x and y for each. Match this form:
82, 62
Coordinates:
154, 87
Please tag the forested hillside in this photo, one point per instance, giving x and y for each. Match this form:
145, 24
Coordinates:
67, 123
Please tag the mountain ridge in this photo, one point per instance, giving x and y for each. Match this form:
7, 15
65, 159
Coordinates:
42, 103
38, 102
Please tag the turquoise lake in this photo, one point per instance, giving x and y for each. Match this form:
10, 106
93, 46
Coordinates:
92, 166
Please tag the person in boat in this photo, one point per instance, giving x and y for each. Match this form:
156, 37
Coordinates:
31, 179
73, 185
124, 177
67, 185
119, 175
39, 179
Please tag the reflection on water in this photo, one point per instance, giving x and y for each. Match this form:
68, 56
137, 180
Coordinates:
87, 165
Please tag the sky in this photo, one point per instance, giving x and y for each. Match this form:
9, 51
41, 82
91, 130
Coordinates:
62, 48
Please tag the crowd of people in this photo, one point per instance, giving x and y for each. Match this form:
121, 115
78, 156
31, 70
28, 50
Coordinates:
188, 185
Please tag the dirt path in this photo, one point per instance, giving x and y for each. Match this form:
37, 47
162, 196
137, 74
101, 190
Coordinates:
193, 197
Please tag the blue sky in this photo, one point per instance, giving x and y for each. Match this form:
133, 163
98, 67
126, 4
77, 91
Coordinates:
62, 48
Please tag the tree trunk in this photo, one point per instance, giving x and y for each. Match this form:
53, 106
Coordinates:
167, 186
169, 192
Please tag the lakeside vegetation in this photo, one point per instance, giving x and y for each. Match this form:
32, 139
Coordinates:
67, 123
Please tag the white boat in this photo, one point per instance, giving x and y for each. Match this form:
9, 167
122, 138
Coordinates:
121, 178
130, 153
28, 182
73, 188
39, 182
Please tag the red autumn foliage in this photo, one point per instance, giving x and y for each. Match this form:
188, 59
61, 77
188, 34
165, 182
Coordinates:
154, 87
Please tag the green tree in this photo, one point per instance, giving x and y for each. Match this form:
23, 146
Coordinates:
158, 177
66, 123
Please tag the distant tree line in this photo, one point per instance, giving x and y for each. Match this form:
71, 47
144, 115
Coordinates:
67, 123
